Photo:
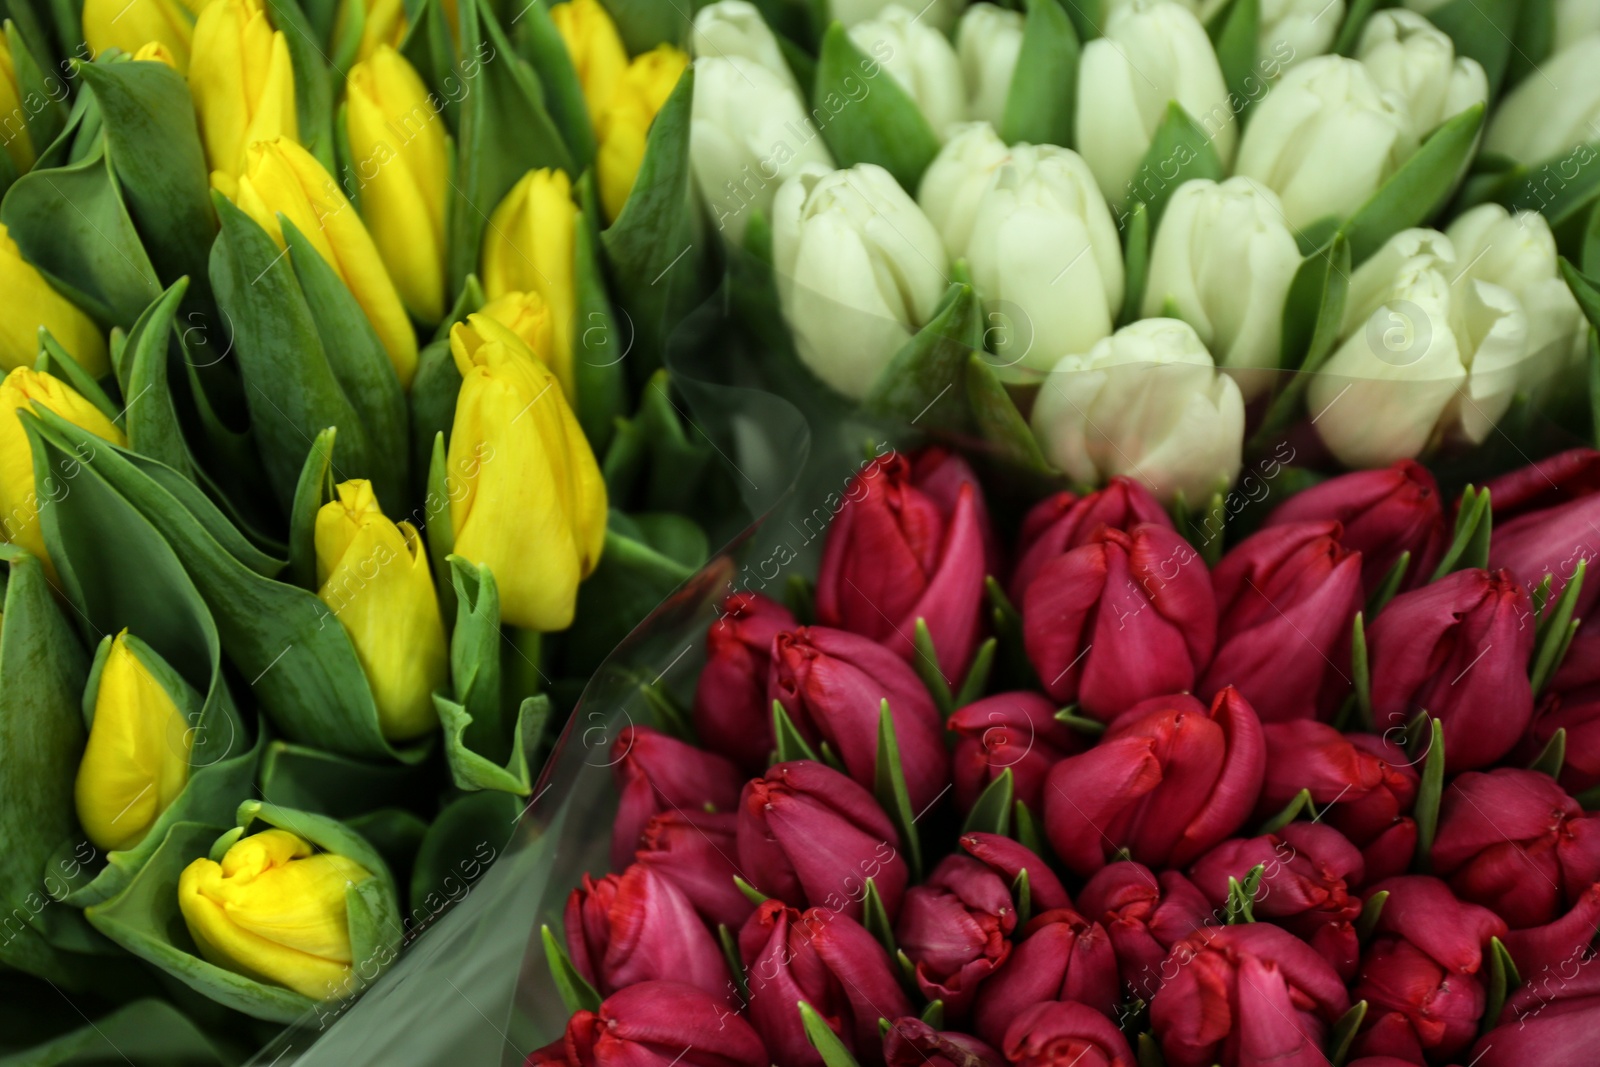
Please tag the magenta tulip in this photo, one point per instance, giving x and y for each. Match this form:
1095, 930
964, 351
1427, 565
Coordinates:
1058, 524
637, 927
1009, 859
656, 1024
1059, 955
913, 1043
1145, 914
956, 928
1546, 521
1572, 703
1009, 731
732, 712
1362, 783
1065, 1035
695, 851
658, 773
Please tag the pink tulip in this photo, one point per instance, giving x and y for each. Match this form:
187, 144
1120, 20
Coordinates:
1145, 914
956, 928
1058, 524
658, 773
732, 712
1008, 731
637, 927
696, 851
1060, 955
656, 1024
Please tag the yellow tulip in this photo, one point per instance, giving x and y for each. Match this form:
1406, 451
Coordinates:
137, 759
27, 389
30, 304
129, 24
242, 82
402, 161
374, 577
596, 50
527, 316
625, 121
529, 249
526, 497
14, 123
155, 52
274, 910
384, 24
280, 177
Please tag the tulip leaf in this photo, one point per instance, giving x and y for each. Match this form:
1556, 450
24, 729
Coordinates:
656, 458
933, 1014
1482, 30
1082, 724
470, 770
1235, 36
312, 779
915, 384
58, 362
1367, 921
1589, 259
313, 81
751, 893
43, 98
791, 745
598, 347
429, 46
1242, 896
1344, 1033
800, 597
823, 1039
147, 1030
1016, 671
1041, 100
977, 679
889, 785
1149, 1052
1503, 980
925, 661
1022, 896
541, 45
1355, 22
1584, 288
730, 955
1026, 829
150, 417
475, 660
432, 400
991, 812
440, 534
1469, 546
576, 992
1388, 585
877, 121
1301, 804
314, 489
1360, 669
1562, 189
875, 917
1555, 630
1312, 316
999, 423
1535, 40
1592, 351
632, 578
1180, 151
1430, 790
1136, 256
1553, 756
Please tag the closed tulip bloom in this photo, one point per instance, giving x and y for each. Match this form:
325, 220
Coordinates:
1427, 640
383, 24
281, 178
274, 910
1571, 702
596, 50
637, 927
1145, 914
1288, 32
1147, 403
156, 52
656, 774
1169, 780
243, 85
532, 504
529, 248
1545, 517
137, 759
810, 836
1066, 1035
1412, 59
1553, 1038
1324, 139
1286, 597
1064, 521
1059, 955
1363, 784
732, 712
1541, 120
18, 144
1009, 859
1222, 262
1551, 951
734, 29
988, 41
695, 850
945, 477
1574, 21
128, 26
625, 120
920, 60
911, 1042
34, 304
656, 1024
374, 577
956, 928
1125, 617
826, 960
1015, 732
527, 316
954, 183
859, 269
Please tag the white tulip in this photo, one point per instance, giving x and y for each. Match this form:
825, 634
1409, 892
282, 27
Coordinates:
1553, 110
920, 60
1222, 261
1575, 19
956, 180
1324, 139
940, 14
1154, 52
734, 29
1416, 61
1288, 31
859, 269
988, 40
748, 132
1146, 403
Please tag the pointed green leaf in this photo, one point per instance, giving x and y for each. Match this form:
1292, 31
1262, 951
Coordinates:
1072, 720
1136, 255
1360, 670
1370, 911
1419, 188
1469, 546
977, 679
926, 663
541, 45
998, 421
824, 1040
880, 125
599, 346
890, 789
1429, 792
1150, 1052
314, 489
1553, 631
991, 812
1180, 151
1553, 756
1344, 1033
1301, 804
791, 744
1043, 94
933, 1014
875, 917
576, 992
918, 385
1022, 896
1389, 585
751, 893
1503, 981
1027, 829
1236, 37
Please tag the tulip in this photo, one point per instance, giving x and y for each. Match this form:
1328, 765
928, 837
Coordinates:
1248, 995
529, 249
1324, 139
156, 52
137, 759
625, 121
1145, 914
1572, 703
534, 505
383, 24
1146, 402
832, 684
1064, 521
732, 713
894, 556
596, 51
1169, 780
1009, 859
920, 60
1544, 522
1427, 640
1015, 732
1385, 513
940, 14
1417, 63
127, 26
913, 1043
694, 851
19, 146
1572, 987
1292, 31
1552, 1039
988, 41
1286, 596
1541, 952
28, 390
1549, 115
812, 837
1125, 617
657, 773
396, 133
639, 927
734, 29
944, 476
274, 911
527, 316
859, 269
1361, 783
1223, 259
34, 305
823, 959
656, 1024
243, 88
1575, 20
957, 927
283, 179
1059, 955
1066, 1035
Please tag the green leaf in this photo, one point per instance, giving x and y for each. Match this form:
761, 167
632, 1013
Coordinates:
1312, 316
1150, 1052
1344, 1033
977, 679
1554, 630
140, 1031
1589, 260
1481, 30
632, 578
1553, 756
540, 43
991, 812
1503, 981
1469, 546
1585, 289
1301, 804
926, 663
824, 1040
730, 954
933, 1014
314, 489
43, 97
1367, 921
890, 788
1420, 187
1242, 896
55, 360
1043, 95
1136, 254
1016, 672
313, 81
1429, 792
1389, 585
1180, 151
1236, 38
1355, 21
150, 418
472, 770
576, 992
882, 125
1360, 669
1027, 829
917, 387
751, 893
312, 779
429, 45
790, 744
1593, 353
598, 347
875, 917
1072, 720
998, 421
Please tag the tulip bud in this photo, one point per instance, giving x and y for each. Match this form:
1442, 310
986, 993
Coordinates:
1324, 139
945, 476
1009, 859
1292, 31
374, 577
639, 927
35, 305
657, 773
988, 41
281, 178
243, 88
784, 815
523, 466
1361, 783
596, 51
1544, 522
1412, 59
1543, 952
1572, 703
1145, 915
1286, 597
894, 555
274, 910
656, 1024
1061, 522
1153, 53
913, 1043
920, 60
1125, 617
529, 248
402, 160
956, 927
859, 269
826, 960
1575, 20
1066, 1035
1384, 513
18, 146
734, 29
1015, 732
527, 316
1169, 780
1549, 1039
1146, 402
694, 851
127, 26
833, 683
383, 24
156, 52
625, 121
1425, 643
1548, 115
27, 390
1223, 259
1059, 955
1252, 995
137, 759
732, 713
